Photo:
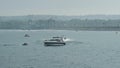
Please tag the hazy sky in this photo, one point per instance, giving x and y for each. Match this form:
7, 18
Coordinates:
59, 7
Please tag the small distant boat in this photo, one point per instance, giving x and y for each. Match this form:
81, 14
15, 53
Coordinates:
26, 35
25, 44
55, 41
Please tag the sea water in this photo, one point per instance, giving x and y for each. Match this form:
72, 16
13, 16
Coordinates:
83, 49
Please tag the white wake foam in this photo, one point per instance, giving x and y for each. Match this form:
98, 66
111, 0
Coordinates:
67, 39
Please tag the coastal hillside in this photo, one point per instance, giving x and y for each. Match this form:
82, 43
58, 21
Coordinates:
36, 22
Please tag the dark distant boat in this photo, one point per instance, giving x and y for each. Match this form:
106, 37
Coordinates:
55, 41
25, 44
26, 35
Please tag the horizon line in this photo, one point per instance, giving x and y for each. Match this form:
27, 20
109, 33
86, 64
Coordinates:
60, 15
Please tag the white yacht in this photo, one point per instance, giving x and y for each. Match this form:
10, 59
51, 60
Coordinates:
55, 41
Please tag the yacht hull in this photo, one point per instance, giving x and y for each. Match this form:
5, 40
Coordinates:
54, 43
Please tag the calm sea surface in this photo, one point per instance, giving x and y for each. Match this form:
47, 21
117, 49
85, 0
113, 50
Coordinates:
83, 49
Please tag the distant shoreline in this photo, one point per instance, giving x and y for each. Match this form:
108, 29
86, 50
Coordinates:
80, 29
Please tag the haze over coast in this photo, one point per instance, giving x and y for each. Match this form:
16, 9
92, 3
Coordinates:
85, 22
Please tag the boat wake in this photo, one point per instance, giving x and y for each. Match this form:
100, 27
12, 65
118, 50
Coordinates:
67, 39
